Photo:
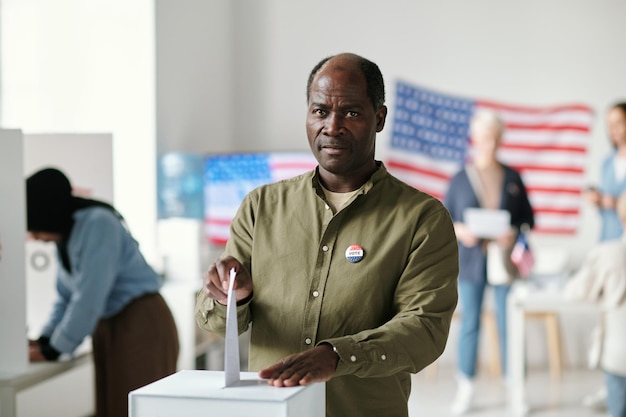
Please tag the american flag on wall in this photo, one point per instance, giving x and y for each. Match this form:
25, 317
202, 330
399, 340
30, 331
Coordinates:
228, 178
547, 145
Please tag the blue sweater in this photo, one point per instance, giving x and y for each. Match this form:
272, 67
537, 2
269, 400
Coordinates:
107, 272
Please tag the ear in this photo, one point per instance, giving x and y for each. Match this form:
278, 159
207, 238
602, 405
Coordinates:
381, 116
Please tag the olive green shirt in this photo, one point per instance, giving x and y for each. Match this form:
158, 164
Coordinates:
387, 315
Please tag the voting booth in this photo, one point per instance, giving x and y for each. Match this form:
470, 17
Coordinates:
196, 393
28, 272
91, 176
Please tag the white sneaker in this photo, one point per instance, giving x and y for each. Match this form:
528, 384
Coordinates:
596, 401
463, 399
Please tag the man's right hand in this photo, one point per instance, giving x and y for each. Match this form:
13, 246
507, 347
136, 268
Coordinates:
216, 280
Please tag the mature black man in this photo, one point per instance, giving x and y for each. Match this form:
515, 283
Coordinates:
345, 274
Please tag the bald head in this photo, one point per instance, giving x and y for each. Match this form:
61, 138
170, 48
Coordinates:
352, 62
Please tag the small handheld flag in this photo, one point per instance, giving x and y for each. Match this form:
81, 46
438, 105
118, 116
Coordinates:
522, 256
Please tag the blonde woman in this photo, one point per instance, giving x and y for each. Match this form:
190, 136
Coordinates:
486, 183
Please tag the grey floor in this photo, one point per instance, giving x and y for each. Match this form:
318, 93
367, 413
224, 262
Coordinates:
432, 394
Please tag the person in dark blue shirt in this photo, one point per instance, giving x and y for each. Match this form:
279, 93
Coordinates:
484, 183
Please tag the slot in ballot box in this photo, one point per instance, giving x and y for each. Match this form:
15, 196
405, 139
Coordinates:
198, 393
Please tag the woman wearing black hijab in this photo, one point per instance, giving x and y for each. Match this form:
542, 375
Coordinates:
105, 289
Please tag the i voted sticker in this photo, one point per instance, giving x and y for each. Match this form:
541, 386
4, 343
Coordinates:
354, 253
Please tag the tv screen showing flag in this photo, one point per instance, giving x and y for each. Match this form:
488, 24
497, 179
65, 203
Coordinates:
229, 177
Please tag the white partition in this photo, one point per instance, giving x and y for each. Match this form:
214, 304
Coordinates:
37, 389
87, 160
13, 352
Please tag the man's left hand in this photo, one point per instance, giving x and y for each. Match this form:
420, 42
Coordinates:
304, 368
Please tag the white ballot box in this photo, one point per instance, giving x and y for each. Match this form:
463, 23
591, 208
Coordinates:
196, 393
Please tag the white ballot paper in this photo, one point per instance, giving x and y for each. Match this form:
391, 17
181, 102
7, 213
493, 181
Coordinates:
485, 223
232, 373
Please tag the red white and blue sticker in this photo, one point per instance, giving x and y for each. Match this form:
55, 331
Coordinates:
354, 253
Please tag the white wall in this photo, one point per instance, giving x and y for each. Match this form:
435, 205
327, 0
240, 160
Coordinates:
194, 79
73, 66
531, 52
231, 74
77, 66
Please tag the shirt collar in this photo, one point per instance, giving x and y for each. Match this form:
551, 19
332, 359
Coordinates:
377, 176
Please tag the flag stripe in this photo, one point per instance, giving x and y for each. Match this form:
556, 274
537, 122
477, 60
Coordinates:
546, 144
581, 109
417, 170
543, 148
547, 127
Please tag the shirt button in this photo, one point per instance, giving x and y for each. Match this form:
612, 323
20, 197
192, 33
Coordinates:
325, 248
353, 358
307, 341
327, 207
383, 357
316, 294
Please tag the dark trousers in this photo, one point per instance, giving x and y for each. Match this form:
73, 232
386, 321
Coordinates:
137, 346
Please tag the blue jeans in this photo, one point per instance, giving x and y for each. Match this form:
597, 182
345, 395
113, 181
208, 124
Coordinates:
616, 394
471, 298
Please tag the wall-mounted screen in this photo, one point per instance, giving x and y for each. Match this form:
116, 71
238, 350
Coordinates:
229, 177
